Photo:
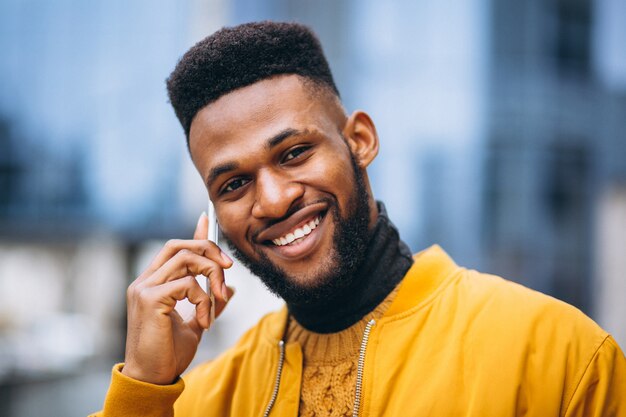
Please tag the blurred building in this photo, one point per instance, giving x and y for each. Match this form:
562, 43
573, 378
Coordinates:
90, 152
555, 143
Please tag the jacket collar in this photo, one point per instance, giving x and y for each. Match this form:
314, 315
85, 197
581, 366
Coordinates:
431, 268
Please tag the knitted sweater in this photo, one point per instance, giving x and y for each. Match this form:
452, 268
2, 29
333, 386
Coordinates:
330, 365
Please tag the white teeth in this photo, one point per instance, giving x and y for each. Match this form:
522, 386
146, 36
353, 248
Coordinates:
298, 233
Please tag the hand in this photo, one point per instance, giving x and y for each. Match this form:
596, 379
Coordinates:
159, 343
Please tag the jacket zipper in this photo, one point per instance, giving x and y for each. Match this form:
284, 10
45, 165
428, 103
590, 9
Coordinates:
359, 369
359, 372
279, 371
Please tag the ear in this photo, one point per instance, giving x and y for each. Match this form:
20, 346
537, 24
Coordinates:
362, 138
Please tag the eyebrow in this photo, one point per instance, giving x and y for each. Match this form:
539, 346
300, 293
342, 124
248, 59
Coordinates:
221, 169
270, 143
278, 138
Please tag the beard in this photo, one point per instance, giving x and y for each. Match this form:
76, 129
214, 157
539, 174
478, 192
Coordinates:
338, 272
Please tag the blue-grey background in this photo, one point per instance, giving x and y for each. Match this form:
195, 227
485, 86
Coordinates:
502, 128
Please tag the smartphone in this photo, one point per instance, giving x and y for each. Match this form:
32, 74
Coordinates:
184, 307
213, 236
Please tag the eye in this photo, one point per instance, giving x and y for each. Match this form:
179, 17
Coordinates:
295, 153
234, 184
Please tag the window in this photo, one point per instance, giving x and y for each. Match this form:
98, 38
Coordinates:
572, 36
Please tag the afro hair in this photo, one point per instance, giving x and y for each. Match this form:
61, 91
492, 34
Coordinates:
238, 56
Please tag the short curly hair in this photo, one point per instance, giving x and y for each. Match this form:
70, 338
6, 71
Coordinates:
235, 57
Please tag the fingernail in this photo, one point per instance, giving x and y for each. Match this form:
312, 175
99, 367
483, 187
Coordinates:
224, 291
203, 214
225, 257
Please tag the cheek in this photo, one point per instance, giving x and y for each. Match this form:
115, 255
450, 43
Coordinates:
332, 174
233, 219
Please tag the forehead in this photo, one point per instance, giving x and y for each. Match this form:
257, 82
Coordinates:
241, 120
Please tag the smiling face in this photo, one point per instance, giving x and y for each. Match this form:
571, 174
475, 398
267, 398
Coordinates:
285, 169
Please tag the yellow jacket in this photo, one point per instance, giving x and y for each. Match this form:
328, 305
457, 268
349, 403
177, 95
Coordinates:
454, 342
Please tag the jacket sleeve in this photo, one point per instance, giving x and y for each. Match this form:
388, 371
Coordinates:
129, 398
601, 391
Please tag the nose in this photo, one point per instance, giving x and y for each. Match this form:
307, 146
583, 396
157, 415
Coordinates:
275, 193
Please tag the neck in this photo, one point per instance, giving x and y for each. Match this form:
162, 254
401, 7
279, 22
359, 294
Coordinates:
386, 261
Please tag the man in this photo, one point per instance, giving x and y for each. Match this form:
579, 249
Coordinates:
367, 329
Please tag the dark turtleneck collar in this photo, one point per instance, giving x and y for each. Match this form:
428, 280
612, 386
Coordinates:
387, 261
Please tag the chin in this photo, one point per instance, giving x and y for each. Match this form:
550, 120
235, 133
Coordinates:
311, 281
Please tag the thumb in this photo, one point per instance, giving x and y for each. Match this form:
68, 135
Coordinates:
202, 232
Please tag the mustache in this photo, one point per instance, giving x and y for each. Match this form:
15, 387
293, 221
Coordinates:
293, 209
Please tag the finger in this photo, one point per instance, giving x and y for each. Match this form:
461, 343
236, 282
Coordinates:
201, 247
171, 292
186, 263
191, 322
202, 228
220, 305
203, 305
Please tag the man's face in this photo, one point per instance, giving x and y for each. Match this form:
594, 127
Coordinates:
289, 195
